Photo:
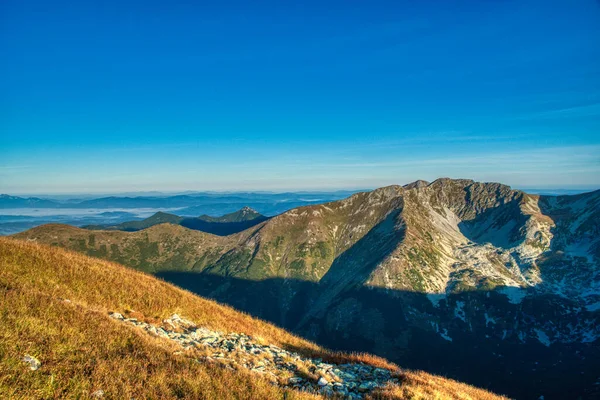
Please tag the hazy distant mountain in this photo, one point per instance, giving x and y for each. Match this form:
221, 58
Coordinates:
476, 281
223, 225
190, 204
143, 202
7, 201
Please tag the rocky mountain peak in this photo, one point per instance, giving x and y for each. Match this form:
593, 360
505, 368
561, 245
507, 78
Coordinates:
248, 210
418, 184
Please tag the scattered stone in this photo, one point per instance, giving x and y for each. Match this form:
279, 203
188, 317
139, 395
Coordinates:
98, 394
366, 386
322, 382
116, 315
34, 363
237, 350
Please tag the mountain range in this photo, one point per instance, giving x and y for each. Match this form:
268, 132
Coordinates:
191, 204
476, 281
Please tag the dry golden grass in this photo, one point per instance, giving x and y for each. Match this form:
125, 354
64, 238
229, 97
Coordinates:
419, 385
82, 350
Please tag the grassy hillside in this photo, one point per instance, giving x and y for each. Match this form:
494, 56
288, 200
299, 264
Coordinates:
158, 248
55, 306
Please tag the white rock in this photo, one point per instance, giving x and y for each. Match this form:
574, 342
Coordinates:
322, 381
33, 362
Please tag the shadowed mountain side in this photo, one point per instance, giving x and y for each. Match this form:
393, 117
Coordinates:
354, 266
220, 228
376, 320
576, 216
499, 226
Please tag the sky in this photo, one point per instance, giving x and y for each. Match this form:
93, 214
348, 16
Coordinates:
110, 96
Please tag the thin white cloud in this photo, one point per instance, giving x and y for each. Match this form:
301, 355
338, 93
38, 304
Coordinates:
566, 112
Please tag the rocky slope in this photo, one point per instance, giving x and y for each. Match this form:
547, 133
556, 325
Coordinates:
282, 367
424, 274
75, 327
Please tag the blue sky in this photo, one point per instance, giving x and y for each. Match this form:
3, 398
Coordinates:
107, 96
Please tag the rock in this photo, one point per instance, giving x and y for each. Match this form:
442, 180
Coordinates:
366, 386
327, 390
98, 394
162, 333
325, 366
175, 321
209, 340
116, 315
34, 363
322, 382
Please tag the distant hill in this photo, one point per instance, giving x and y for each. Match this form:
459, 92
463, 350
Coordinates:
7, 201
224, 225
242, 215
132, 226
75, 327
